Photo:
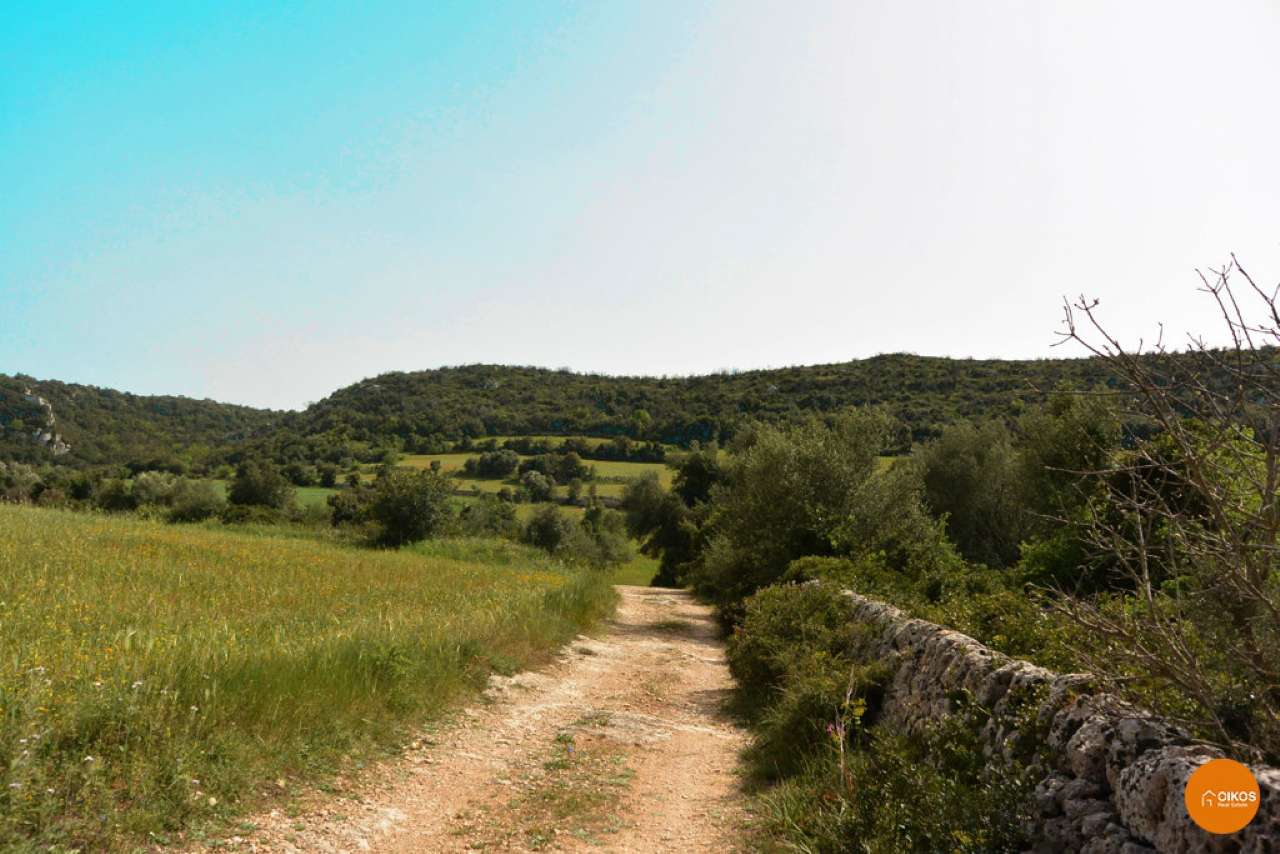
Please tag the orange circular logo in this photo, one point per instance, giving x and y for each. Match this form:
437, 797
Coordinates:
1222, 796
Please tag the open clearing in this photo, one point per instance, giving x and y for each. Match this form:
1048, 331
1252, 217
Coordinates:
161, 678
620, 745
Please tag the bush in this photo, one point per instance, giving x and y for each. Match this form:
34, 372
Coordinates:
489, 516
114, 496
552, 530
328, 475
194, 501
410, 505
497, 464
599, 540
301, 475
251, 514
885, 791
973, 478
782, 625
154, 488
813, 488
537, 486
841, 782
259, 483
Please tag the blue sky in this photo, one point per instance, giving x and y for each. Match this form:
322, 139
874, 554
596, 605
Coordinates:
261, 203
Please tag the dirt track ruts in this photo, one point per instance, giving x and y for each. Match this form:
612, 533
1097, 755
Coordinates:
643, 698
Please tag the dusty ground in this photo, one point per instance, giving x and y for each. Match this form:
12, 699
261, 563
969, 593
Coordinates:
620, 745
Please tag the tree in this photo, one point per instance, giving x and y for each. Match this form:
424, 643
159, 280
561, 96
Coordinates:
194, 501
640, 421
492, 464
814, 488
551, 530
696, 474
258, 482
410, 505
538, 486
666, 527
972, 478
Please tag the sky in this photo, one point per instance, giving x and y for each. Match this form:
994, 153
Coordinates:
261, 203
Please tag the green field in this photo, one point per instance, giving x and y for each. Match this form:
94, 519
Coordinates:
639, 571
160, 677
308, 496
612, 484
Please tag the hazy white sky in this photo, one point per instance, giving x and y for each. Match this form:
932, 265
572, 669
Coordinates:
261, 207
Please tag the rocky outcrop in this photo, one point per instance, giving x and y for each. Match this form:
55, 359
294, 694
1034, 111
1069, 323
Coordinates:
46, 434
1114, 774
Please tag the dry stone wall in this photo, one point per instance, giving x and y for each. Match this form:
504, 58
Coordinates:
1114, 775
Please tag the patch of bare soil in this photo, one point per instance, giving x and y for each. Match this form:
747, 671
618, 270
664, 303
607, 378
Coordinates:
620, 745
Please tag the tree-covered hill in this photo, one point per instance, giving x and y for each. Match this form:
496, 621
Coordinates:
424, 411
486, 400
100, 425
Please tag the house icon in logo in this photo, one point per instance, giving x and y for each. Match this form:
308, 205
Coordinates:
1206, 800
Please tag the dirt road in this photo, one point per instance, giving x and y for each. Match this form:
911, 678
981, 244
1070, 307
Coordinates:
620, 745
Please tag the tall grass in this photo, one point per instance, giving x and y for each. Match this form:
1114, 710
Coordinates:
155, 676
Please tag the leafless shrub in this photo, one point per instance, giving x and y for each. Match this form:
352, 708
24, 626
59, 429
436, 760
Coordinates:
1189, 519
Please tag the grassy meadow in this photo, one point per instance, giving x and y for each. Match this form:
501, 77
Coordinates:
611, 476
161, 678
308, 496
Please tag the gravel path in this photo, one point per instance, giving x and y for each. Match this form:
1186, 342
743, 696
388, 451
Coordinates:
619, 745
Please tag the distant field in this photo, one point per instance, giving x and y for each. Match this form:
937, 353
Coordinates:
158, 676
640, 570
308, 496
592, 441
604, 469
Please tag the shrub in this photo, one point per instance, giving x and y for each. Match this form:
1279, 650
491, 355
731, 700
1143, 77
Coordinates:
301, 475
490, 516
493, 464
813, 488
782, 625
349, 506
154, 488
551, 530
599, 540
973, 478
114, 496
538, 487
194, 501
259, 483
890, 792
410, 505
328, 474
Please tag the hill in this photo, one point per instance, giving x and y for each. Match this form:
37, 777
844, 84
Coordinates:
424, 411
87, 425
925, 393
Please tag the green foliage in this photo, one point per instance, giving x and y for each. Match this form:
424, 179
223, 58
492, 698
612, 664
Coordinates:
922, 393
973, 478
782, 625
841, 783
490, 516
893, 792
812, 488
666, 527
104, 426
537, 486
410, 505
599, 539
195, 501
696, 474
259, 483
493, 464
